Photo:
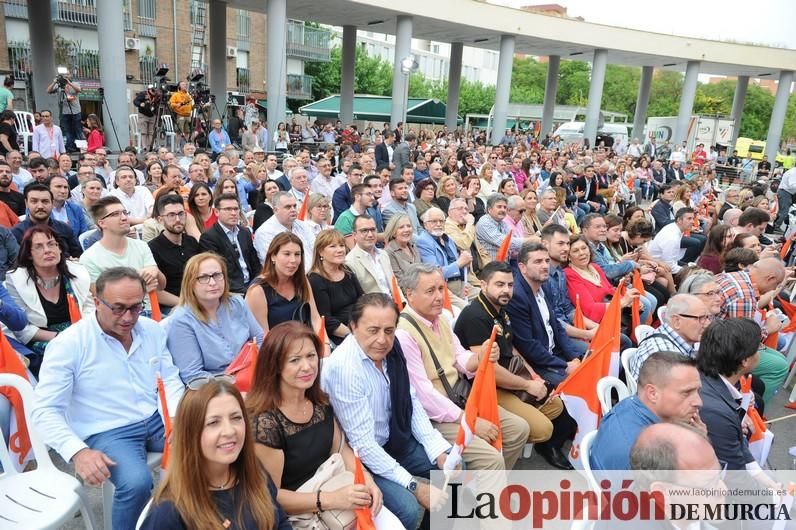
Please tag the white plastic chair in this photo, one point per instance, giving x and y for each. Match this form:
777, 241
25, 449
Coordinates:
627, 356
662, 313
643, 331
84, 236
585, 454
153, 461
604, 388
45, 498
169, 131
135, 132
25, 123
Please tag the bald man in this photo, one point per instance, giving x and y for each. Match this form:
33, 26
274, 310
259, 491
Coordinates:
686, 318
731, 217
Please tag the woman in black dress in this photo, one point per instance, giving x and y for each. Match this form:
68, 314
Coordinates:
334, 287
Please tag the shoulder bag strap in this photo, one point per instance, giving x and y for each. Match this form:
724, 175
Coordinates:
440, 370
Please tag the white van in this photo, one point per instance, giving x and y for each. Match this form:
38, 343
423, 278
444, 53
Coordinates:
573, 131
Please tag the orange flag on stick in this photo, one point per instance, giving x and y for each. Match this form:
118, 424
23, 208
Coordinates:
74, 310
364, 517
302, 213
785, 248
242, 367
503, 251
396, 293
155, 305
773, 338
166, 422
790, 311
578, 390
19, 446
580, 321
481, 403
446, 300
322, 332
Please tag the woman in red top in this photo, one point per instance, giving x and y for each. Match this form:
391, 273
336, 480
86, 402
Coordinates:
588, 281
94, 135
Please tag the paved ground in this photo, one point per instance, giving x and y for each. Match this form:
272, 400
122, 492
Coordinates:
784, 431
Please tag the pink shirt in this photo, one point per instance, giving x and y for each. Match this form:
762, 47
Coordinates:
438, 407
516, 228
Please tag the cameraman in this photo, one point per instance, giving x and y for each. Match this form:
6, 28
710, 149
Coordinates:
147, 104
70, 109
181, 103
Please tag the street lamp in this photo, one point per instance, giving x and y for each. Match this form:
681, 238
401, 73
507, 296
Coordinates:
408, 66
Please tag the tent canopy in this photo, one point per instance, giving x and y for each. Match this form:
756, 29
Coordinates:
378, 109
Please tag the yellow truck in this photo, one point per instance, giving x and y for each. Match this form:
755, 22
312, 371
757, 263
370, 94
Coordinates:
754, 148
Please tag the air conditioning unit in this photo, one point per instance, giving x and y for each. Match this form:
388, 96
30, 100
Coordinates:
232, 52
132, 44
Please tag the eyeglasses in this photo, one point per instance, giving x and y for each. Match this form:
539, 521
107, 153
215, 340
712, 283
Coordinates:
117, 213
119, 309
174, 215
716, 292
434, 221
204, 279
703, 319
323, 206
198, 382
40, 247
229, 209
367, 230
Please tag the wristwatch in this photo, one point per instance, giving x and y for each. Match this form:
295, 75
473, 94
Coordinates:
412, 486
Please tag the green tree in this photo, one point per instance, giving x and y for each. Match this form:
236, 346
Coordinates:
573, 83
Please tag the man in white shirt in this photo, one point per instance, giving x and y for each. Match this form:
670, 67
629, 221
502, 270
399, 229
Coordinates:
137, 200
127, 159
284, 220
299, 184
20, 176
270, 167
666, 245
47, 137
325, 183
97, 403
785, 193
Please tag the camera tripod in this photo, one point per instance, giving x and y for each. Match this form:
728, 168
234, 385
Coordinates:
110, 117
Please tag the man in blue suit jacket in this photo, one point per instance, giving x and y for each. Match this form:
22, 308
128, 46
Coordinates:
436, 248
538, 335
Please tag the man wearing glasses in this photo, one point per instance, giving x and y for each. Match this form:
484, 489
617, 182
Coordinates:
232, 242
686, 319
284, 220
96, 399
115, 249
39, 205
437, 248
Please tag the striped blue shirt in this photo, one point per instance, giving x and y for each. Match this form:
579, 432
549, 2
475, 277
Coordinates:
360, 394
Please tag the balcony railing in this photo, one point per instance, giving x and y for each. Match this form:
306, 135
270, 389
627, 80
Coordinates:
147, 66
81, 12
299, 86
127, 15
242, 75
82, 63
19, 59
308, 43
16, 8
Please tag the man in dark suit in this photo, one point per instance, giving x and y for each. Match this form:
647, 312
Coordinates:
674, 173
232, 242
401, 156
662, 212
586, 187
538, 336
728, 350
284, 181
382, 150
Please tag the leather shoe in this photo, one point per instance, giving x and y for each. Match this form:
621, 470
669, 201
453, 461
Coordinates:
554, 456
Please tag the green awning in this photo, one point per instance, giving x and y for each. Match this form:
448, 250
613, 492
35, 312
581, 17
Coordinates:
379, 109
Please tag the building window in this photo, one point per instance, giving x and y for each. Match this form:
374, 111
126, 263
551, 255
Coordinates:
147, 9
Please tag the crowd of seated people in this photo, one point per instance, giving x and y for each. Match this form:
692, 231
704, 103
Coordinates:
536, 237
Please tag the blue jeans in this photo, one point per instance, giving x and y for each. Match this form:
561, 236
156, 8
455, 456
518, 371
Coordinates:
648, 191
128, 446
648, 304
693, 246
400, 500
72, 129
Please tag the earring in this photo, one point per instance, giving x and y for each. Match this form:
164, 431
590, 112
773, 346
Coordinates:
321, 258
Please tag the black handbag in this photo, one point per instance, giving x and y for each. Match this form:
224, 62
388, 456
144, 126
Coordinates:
520, 368
461, 389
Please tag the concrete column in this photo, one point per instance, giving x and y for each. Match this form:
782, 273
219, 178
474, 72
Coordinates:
778, 114
550, 90
217, 49
686, 102
349, 58
503, 89
400, 80
738, 101
454, 84
276, 69
113, 76
595, 96
640, 117
40, 27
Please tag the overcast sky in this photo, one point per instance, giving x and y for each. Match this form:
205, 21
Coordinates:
768, 22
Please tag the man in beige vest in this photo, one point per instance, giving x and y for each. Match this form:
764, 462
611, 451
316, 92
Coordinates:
422, 330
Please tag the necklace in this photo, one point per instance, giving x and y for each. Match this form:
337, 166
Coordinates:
48, 283
224, 484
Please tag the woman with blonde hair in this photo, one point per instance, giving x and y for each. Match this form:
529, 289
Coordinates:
446, 192
319, 209
335, 288
281, 291
209, 326
489, 184
398, 236
215, 479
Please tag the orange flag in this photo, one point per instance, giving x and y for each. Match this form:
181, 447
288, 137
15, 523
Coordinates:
503, 251
242, 367
785, 248
790, 311
579, 321
364, 517
446, 300
74, 310
19, 445
322, 333
155, 305
578, 390
773, 338
636, 307
396, 293
166, 422
302, 213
